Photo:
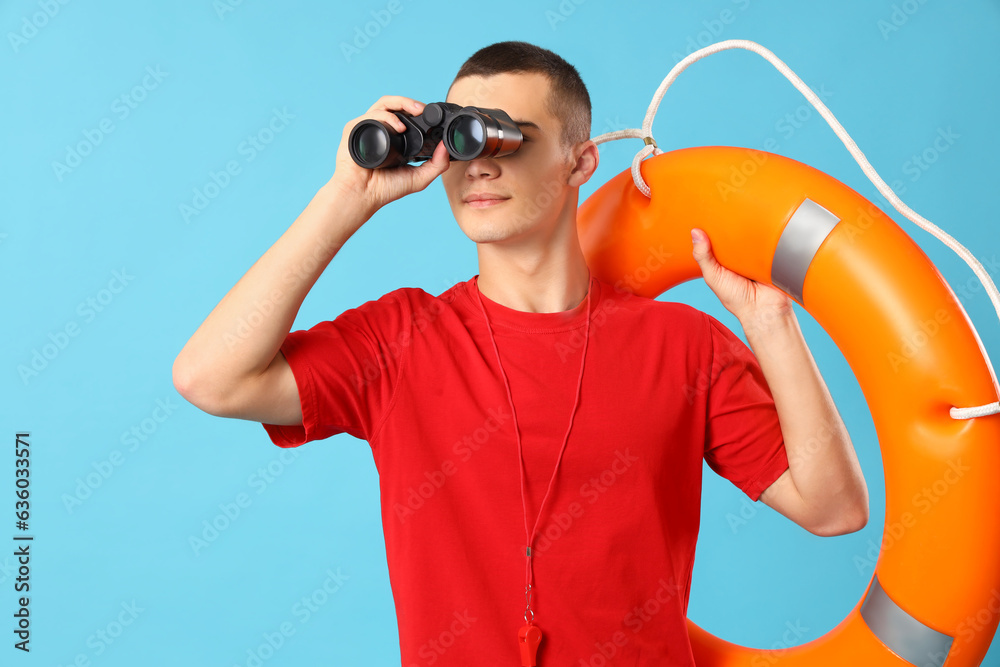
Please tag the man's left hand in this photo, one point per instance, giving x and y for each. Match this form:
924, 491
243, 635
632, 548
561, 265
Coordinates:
746, 299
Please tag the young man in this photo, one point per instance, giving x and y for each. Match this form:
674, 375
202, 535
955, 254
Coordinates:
532, 405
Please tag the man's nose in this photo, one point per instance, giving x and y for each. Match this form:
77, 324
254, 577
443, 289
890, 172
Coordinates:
481, 168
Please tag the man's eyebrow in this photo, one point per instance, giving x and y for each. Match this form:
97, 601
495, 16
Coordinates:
528, 123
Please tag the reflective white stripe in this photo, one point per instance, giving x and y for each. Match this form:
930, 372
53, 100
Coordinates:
803, 235
905, 636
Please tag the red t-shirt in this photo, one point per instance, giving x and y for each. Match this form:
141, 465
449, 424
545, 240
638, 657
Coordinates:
665, 385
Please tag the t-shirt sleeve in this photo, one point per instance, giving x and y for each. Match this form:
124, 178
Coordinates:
743, 440
346, 371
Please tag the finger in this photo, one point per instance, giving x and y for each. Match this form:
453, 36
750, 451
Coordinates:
386, 117
391, 119
702, 251
398, 102
699, 243
432, 168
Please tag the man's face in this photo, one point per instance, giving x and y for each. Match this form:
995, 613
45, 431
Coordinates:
531, 183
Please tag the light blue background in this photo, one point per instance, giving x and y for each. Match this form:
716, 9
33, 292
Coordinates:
226, 73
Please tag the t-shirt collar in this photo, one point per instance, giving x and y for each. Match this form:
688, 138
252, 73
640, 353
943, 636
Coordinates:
501, 315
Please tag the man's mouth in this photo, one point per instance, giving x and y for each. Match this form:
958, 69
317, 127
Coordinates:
484, 200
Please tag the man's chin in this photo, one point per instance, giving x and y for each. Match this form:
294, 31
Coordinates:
478, 232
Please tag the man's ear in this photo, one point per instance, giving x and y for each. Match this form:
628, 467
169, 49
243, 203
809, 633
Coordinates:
585, 164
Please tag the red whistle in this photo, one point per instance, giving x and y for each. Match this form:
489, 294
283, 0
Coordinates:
529, 637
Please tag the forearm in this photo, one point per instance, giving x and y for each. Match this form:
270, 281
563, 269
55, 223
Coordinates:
244, 332
823, 464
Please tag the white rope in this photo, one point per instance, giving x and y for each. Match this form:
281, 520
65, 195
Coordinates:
646, 133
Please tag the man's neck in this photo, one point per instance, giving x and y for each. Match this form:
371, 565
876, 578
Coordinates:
551, 279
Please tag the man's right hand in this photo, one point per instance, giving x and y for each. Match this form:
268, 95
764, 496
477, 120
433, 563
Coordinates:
375, 188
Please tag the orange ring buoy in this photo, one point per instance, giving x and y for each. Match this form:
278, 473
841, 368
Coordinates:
907, 339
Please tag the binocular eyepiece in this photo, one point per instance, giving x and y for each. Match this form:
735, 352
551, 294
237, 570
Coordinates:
468, 133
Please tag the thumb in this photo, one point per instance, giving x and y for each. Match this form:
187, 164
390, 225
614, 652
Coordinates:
702, 251
701, 246
431, 169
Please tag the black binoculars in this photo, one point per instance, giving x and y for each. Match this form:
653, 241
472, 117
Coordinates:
468, 133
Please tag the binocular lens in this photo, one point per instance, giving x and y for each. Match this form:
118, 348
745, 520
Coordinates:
466, 136
474, 132
372, 144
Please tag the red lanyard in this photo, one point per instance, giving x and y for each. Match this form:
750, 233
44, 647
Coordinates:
530, 636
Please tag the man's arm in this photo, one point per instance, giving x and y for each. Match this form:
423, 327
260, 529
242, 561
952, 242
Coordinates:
231, 371
823, 490
232, 365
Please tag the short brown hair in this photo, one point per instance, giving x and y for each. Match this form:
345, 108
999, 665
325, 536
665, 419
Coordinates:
568, 99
